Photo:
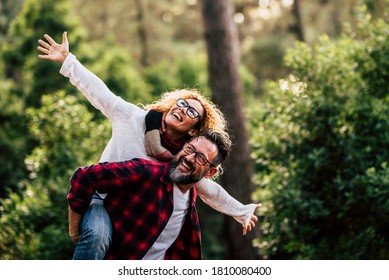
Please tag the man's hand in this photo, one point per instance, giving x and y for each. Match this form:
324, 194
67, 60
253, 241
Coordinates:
74, 225
252, 222
75, 238
52, 50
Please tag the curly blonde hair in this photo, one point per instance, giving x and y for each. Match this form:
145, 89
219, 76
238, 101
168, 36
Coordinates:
214, 118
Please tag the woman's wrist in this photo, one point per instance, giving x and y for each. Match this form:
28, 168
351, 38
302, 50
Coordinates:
64, 55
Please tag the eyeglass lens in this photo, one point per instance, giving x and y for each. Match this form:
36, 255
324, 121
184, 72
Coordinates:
191, 112
199, 157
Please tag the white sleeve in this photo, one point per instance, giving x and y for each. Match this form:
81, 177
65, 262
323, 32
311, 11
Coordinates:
215, 196
94, 89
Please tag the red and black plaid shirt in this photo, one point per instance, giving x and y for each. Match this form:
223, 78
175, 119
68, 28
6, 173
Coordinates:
140, 203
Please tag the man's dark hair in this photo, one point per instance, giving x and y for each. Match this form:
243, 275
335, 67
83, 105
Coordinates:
223, 146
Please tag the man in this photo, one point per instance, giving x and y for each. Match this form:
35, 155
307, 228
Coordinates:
152, 204
177, 125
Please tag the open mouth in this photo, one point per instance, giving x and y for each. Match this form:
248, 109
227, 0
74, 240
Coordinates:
188, 166
177, 116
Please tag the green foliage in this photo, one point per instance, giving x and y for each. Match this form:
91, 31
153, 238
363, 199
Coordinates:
116, 68
249, 81
161, 77
265, 59
8, 9
58, 125
12, 132
35, 77
34, 224
191, 73
186, 72
321, 147
212, 232
24, 79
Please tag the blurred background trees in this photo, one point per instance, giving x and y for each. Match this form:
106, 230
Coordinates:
314, 87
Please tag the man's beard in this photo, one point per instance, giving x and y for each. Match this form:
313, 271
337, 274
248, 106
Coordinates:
176, 175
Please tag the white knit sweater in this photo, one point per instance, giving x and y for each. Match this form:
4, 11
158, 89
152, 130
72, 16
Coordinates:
128, 131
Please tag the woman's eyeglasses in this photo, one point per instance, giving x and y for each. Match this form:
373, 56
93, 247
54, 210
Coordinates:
191, 112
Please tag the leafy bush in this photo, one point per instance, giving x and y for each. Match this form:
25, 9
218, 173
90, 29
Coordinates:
34, 224
321, 146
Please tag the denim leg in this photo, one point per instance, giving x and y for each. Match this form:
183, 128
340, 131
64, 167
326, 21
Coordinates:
96, 233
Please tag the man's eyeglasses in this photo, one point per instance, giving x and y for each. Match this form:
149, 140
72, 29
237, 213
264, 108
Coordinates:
199, 157
191, 112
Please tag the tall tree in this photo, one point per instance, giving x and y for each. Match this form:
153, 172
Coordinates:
298, 26
222, 40
142, 33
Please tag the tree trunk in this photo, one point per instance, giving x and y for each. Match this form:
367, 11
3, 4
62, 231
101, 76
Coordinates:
297, 27
144, 57
337, 19
222, 40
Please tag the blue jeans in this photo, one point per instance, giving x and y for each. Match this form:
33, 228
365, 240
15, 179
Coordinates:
96, 233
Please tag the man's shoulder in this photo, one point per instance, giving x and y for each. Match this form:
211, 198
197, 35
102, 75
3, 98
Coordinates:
154, 169
150, 162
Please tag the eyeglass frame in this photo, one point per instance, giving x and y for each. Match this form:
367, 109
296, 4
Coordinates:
193, 110
196, 155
